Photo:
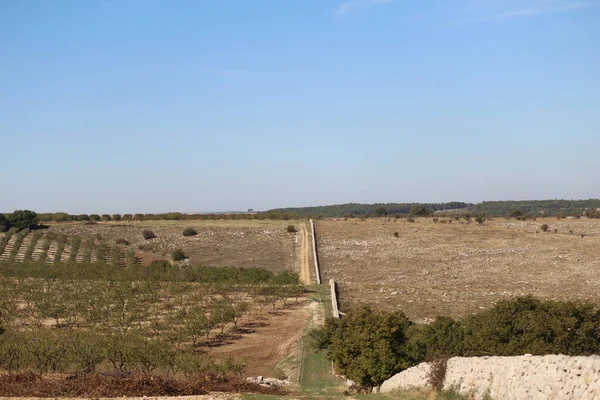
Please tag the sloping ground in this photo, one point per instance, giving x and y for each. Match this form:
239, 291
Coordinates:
456, 268
37, 252
218, 243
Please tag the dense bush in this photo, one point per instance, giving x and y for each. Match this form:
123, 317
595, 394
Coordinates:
291, 229
544, 227
367, 346
189, 232
122, 241
178, 255
514, 327
148, 234
4, 223
21, 219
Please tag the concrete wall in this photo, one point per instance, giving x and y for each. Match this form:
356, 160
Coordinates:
523, 377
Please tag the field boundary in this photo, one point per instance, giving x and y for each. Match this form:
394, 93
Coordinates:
314, 242
334, 303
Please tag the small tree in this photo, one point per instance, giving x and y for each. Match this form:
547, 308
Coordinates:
189, 232
106, 217
95, 217
291, 229
178, 255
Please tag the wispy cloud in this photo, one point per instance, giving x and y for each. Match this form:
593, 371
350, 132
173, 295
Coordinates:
352, 6
546, 7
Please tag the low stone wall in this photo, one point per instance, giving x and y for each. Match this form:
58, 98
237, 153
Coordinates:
335, 311
314, 246
511, 378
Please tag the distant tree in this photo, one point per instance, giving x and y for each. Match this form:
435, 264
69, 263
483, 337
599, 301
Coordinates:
116, 217
106, 217
127, 217
515, 213
380, 212
419, 210
21, 219
4, 223
83, 217
95, 217
479, 219
138, 217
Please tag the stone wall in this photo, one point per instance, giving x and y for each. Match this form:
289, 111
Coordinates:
523, 377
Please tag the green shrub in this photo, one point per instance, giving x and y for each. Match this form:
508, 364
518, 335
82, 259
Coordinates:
21, 219
178, 255
148, 234
122, 241
544, 227
189, 232
291, 229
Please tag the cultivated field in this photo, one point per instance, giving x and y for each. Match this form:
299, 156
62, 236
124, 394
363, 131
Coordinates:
250, 243
457, 268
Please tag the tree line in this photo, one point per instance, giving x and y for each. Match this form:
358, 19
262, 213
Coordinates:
351, 210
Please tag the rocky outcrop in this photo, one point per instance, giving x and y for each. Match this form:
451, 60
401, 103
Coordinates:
511, 378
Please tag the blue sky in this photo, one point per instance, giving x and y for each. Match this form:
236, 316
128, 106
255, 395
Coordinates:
153, 106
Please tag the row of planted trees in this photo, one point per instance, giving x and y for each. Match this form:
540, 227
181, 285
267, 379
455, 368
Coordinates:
79, 250
52, 323
86, 351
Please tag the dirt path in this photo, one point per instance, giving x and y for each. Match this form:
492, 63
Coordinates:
304, 255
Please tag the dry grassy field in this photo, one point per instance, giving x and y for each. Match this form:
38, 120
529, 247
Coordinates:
218, 243
457, 268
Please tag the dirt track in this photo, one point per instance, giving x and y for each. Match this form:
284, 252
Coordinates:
303, 256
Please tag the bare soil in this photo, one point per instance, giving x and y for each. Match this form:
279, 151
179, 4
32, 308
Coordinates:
458, 268
264, 342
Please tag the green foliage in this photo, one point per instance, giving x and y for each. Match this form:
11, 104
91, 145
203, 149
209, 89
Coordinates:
22, 219
116, 217
95, 217
360, 210
420, 210
515, 327
189, 232
4, 223
380, 212
367, 346
106, 217
17, 244
291, 229
148, 234
178, 255
75, 244
29, 251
